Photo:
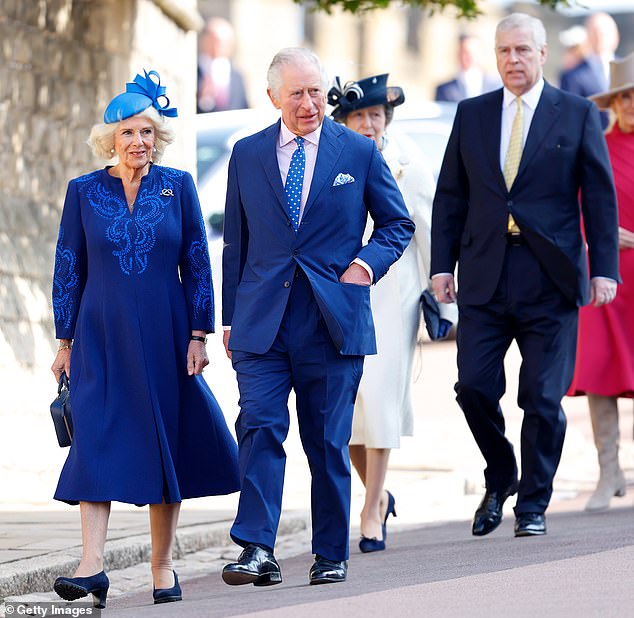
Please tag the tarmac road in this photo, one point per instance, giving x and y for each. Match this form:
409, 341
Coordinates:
581, 568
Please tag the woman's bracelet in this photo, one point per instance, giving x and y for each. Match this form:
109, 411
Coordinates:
198, 338
65, 346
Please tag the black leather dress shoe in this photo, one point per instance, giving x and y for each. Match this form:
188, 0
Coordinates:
530, 524
489, 514
326, 571
255, 566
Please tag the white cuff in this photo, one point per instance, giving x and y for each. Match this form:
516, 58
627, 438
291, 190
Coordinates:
365, 266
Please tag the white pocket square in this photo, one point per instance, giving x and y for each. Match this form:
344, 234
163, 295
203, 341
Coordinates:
342, 179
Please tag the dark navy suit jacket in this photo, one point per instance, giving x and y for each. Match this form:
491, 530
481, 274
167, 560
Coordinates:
262, 250
454, 90
585, 79
237, 92
565, 157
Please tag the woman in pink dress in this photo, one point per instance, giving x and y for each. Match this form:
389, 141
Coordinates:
605, 356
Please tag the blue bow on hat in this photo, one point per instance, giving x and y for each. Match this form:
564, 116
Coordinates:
138, 96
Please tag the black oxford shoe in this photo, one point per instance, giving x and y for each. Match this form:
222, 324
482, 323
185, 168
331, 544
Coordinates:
489, 514
255, 566
326, 571
530, 524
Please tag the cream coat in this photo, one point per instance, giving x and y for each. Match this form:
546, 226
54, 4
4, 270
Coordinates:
383, 410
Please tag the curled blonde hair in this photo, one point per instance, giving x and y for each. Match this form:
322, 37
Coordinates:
101, 139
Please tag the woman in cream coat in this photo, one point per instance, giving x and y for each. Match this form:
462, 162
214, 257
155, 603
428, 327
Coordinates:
383, 410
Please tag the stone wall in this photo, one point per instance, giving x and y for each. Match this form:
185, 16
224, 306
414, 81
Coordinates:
61, 61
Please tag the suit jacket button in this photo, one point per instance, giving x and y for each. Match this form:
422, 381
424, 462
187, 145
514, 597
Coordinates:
295, 252
287, 284
509, 203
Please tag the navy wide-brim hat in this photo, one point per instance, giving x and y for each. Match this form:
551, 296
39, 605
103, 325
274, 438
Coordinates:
138, 96
364, 93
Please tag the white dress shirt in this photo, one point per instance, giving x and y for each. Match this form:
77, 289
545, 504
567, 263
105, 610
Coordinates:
472, 80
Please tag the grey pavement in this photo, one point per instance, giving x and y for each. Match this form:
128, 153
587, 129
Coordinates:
436, 477
582, 568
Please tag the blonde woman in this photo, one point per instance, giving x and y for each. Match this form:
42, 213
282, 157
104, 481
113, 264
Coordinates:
133, 303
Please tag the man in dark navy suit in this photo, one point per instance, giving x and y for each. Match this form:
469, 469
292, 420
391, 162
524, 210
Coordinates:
220, 84
507, 211
471, 80
296, 299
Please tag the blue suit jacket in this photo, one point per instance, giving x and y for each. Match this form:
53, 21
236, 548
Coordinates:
565, 157
262, 250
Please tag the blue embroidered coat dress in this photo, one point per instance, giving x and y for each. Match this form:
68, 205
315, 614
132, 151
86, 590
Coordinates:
130, 288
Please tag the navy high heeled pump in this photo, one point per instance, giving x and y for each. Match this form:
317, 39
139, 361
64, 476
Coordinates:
73, 588
367, 545
391, 503
168, 595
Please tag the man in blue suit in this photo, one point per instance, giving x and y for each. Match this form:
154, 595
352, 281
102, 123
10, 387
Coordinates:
296, 298
507, 211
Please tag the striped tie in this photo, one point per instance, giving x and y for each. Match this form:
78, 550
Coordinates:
514, 156
295, 181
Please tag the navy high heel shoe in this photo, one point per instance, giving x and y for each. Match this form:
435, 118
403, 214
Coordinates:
168, 595
367, 545
391, 503
73, 588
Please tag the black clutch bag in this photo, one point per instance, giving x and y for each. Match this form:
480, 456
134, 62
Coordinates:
60, 411
437, 327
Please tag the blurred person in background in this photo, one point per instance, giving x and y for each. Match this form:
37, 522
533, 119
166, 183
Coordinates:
592, 74
508, 209
383, 408
471, 79
574, 41
220, 83
605, 358
133, 303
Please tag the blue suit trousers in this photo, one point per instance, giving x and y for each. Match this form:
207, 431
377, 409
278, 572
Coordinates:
303, 358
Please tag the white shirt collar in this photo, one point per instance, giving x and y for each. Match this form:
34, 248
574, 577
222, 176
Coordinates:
530, 98
287, 136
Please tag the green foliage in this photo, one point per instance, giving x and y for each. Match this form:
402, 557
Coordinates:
465, 8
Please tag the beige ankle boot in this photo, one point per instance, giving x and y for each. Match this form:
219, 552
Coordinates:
605, 427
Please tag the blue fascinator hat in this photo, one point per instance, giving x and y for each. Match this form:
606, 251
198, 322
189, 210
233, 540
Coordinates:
364, 93
138, 96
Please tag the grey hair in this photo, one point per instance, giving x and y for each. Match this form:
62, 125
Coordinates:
101, 138
293, 56
523, 20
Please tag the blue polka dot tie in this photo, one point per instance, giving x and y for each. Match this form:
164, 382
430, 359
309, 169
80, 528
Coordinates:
295, 181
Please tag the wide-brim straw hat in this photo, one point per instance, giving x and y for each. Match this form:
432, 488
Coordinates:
621, 79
